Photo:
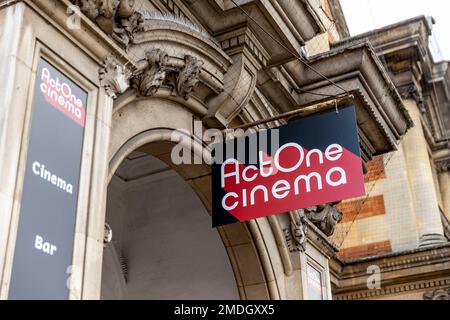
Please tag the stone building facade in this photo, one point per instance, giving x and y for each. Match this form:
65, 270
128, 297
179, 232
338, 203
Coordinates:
151, 67
405, 219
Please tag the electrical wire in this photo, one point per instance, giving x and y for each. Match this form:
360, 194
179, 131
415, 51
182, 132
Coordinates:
297, 56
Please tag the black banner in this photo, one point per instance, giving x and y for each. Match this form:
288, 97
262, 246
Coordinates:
45, 238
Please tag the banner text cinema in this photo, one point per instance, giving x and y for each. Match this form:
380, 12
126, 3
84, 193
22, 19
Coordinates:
293, 171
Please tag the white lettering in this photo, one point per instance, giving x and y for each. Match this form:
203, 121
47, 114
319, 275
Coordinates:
46, 247
310, 153
300, 158
247, 178
234, 173
342, 180
281, 186
224, 201
307, 179
40, 171
334, 152
264, 163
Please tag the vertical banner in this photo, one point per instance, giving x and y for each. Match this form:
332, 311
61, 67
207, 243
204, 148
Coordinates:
45, 238
312, 161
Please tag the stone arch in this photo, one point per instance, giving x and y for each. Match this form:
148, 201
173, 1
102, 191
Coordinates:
147, 124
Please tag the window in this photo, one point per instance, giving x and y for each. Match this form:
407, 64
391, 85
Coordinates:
314, 283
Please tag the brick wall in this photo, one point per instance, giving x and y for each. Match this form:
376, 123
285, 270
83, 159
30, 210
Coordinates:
373, 206
376, 169
365, 250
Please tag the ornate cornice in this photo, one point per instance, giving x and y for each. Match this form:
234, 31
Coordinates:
408, 287
243, 38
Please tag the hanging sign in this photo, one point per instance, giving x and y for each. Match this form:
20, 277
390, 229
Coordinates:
45, 237
312, 161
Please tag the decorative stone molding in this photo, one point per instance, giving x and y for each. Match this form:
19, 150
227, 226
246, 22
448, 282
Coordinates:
439, 294
148, 81
442, 165
158, 69
325, 217
244, 38
249, 57
114, 77
411, 92
189, 76
295, 235
117, 18
408, 287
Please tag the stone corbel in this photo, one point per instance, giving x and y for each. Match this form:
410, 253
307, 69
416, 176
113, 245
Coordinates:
189, 76
442, 165
248, 57
296, 234
152, 72
412, 92
325, 217
158, 69
114, 77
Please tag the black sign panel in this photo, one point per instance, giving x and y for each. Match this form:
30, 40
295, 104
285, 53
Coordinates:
315, 160
45, 238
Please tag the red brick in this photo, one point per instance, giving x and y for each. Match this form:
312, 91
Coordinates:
352, 210
375, 169
365, 250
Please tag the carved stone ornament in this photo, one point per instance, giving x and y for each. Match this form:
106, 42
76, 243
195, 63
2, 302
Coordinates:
153, 75
117, 18
188, 77
326, 217
114, 77
439, 294
158, 69
411, 92
296, 234
443, 165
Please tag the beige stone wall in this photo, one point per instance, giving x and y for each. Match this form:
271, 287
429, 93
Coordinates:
411, 193
398, 224
21, 49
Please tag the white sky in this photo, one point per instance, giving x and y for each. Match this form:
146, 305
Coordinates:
366, 15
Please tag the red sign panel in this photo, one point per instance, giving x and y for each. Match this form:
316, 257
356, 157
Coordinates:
305, 163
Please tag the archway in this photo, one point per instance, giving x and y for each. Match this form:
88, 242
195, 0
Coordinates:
163, 246
141, 129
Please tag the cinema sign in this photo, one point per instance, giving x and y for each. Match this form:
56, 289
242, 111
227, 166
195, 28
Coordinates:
313, 161
45, 237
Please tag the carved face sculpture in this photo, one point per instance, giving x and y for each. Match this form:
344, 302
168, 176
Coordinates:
158, 78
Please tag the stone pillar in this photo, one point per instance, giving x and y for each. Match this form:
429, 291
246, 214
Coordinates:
422, 183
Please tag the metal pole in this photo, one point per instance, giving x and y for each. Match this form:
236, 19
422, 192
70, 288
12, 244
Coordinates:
303, 111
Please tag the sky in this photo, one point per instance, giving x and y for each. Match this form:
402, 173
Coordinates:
366, 15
